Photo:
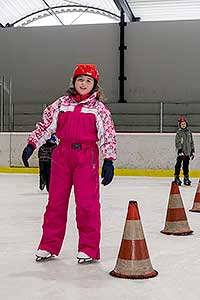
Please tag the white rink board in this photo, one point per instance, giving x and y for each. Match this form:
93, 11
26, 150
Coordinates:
154, 151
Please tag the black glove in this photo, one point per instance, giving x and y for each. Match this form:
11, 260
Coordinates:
107, 172
181, 153
192, 154
27, 152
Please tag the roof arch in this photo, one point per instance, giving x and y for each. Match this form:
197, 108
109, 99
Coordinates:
20, 13
56, 11
23, 12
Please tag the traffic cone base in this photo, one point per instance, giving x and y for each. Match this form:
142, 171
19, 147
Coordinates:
176, 219
176, 233
179, 229
196, 209
126, 270
141, 269
133, 259
196, 204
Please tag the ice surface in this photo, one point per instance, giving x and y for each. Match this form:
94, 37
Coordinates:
176, 258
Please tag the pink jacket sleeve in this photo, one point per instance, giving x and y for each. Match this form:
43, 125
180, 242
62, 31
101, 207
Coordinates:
46, 127
106, 133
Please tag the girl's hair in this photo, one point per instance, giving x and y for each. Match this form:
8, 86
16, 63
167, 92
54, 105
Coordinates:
100, 93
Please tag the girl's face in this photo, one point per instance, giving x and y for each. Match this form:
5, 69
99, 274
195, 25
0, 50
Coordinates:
183, 125
84, 84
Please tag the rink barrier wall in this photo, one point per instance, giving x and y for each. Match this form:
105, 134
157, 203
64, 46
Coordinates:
138, 154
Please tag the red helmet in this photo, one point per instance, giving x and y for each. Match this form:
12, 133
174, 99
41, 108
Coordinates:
86, 69
180, 120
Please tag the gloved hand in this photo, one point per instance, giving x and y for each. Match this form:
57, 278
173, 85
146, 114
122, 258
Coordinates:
27, 152
107, 172
192, 155
181, 153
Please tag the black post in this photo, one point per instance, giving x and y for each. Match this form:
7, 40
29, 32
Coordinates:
122, 47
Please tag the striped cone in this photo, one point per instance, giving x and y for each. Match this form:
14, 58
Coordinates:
176, 219
133, 259
196, 204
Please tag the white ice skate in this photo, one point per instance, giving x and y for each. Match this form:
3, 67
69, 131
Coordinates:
83, 258
42, 255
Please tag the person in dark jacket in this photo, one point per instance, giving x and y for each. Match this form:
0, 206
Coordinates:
185, 151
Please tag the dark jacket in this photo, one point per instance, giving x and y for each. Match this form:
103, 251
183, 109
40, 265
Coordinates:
184, 141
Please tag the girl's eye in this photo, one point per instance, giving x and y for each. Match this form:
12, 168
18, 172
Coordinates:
89, 81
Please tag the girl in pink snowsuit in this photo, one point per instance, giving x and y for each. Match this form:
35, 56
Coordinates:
79, 120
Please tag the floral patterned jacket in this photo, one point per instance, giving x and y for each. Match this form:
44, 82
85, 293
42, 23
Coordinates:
77, 122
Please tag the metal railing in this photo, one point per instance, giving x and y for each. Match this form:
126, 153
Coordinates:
133, 117
154, 116
137, 116
5, 103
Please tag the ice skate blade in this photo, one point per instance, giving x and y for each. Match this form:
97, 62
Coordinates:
43, 259
85, 261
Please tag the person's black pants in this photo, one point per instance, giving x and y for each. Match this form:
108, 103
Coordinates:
185, 160
45, 171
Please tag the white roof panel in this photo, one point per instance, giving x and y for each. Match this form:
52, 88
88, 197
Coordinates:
162, 10
12, 11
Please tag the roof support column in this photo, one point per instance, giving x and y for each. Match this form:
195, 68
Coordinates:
122, 48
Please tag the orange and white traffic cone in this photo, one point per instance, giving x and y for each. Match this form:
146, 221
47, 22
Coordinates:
196, 204
133, 259
176, 219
